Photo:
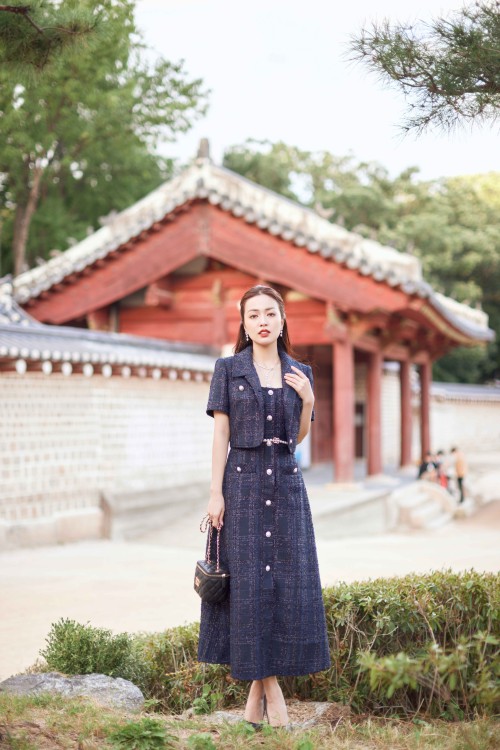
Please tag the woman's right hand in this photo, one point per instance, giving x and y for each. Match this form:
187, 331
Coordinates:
215, 510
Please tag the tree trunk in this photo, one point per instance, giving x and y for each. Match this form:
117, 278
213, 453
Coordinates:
22, 221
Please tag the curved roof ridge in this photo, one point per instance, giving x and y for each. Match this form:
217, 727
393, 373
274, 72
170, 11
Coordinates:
269, 211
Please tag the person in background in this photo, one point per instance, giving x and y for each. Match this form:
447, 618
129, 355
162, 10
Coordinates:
460, 470
442, 469
427, 469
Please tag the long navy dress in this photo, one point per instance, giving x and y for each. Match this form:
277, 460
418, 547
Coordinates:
273, 622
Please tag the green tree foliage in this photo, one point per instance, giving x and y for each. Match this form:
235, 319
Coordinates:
449, 68
452, 225
78, 140
32, 34
273, 165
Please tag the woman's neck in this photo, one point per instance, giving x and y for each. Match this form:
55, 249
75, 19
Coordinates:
265, 355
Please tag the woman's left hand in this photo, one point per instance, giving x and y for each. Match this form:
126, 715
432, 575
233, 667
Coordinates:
300, 383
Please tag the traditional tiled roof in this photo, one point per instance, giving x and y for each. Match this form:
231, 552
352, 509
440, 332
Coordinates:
465, 392
270, 212
25, 342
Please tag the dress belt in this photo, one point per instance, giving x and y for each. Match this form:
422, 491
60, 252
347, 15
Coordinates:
275, 440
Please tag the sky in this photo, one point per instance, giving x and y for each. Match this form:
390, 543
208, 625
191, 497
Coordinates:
278, 70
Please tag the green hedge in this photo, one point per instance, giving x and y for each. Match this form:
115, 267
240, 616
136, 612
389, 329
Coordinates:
419, 644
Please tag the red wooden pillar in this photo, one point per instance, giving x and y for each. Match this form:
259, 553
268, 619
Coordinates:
374, 394
406, 416
343, 411
425, 389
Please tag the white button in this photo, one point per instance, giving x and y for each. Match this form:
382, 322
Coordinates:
269, 443
241, 387
238, 468
268, 502
268, 568
268, 533
269, 417
270, 392
295, 470
269, 472
290, 440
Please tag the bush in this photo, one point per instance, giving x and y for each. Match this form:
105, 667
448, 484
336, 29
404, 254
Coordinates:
175, 677
418, 643
73, 648
421, 643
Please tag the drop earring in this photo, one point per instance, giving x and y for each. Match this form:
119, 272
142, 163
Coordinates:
281, 332
247, 336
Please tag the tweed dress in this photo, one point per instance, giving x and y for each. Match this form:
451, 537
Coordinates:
273, 622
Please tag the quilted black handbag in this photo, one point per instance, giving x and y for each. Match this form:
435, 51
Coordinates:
211, 581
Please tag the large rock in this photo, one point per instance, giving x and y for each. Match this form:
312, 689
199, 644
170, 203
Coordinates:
112, 692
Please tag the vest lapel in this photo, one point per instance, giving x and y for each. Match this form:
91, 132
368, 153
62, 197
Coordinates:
290, 395
243, 366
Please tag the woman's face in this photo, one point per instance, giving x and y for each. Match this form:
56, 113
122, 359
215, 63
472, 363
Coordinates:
262, 320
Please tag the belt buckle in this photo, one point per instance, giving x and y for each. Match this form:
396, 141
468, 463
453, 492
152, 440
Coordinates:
273, 440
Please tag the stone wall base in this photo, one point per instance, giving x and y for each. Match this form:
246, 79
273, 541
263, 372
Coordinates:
127, 515
69, 526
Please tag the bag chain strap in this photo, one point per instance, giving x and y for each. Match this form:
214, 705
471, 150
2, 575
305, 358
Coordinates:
204, 525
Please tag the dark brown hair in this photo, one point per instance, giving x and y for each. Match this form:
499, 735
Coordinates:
283, 341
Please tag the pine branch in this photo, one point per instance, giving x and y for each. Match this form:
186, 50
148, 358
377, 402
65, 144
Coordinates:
450, 67
48, 31
23, 10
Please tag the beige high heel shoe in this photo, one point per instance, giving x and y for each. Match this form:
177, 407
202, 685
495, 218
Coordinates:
259, 724
287, 727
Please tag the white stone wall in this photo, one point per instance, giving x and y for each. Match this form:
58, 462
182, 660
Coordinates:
64, 440
474, 426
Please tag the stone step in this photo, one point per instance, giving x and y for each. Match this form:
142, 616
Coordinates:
420, 505
424, 515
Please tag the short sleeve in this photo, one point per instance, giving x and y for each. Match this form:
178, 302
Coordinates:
218, 399
309, 374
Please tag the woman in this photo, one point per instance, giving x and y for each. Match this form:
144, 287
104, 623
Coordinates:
273, 622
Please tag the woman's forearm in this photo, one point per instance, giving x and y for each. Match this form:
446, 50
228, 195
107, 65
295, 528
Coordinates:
219, 451
305, 420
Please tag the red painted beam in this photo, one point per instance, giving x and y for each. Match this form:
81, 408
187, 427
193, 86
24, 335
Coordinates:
157, 255
249, 249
